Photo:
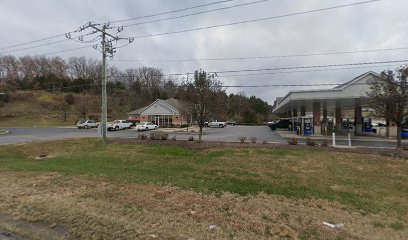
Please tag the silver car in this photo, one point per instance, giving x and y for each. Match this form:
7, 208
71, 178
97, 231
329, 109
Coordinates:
144, 126
87, 124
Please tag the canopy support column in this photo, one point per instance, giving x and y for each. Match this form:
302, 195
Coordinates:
317, 130
358, 117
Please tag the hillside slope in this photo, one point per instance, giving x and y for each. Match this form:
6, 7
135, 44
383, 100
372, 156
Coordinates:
44, 109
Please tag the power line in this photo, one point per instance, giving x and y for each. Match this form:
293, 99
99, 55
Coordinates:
196, 13
257, 20
264, 57
34, 41
123, 20
56, 42
219, 25
178, 86
67, 50
36, 46
303, 71
172, 11
319, 68
288, 85
311, 66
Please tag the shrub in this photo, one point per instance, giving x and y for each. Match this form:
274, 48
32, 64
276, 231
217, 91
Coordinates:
155, 136
310, 142
5, 97
242, 139
264, 142
191, 138
325, 143
174, 138
253, 139
70, 99
164, 136
293, 141
142, 136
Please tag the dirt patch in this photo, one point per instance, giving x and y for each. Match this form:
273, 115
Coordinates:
94, 209
16, 229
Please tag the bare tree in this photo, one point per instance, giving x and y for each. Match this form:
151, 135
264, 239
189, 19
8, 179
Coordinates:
201, 97
11, 67
27, 68
388, 96
86, 104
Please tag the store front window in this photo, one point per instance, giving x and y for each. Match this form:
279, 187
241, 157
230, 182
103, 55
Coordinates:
161, 120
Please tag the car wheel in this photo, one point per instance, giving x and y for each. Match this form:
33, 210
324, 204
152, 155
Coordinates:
86, 126
221, 126
117, 128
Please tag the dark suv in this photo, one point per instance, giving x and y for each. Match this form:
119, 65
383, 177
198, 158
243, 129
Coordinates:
282, 123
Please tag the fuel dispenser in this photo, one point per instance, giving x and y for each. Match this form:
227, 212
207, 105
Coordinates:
307, 126
367, 127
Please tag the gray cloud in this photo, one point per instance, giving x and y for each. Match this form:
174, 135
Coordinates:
381, 24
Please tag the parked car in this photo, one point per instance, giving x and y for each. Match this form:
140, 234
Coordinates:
231, 122
118, 125
378, 124
282, 123
271, 123
87, 124
216, 124
145, 126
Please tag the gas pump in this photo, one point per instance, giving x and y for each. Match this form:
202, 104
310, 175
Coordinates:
367, 125
308, 126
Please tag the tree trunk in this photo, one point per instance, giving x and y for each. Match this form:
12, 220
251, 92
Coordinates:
65, 115
200, 133
399, 132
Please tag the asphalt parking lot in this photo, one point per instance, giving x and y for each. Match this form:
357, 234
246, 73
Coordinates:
233, 133
229, 133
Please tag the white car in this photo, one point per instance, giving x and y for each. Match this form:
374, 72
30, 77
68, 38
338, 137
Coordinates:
144, 126
216, 124
118, 125
87, 124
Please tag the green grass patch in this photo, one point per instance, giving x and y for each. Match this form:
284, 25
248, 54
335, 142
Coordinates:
397, 226
372, 184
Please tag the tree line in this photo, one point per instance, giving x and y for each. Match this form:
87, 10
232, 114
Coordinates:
127, 89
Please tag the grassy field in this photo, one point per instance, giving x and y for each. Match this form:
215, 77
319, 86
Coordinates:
246, 192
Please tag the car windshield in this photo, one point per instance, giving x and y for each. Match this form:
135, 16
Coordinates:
80, 121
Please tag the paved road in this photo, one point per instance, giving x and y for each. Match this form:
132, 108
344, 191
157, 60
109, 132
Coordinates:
229, 133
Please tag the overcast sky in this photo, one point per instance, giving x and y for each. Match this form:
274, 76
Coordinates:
377, 25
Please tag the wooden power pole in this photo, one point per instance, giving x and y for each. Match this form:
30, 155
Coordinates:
106, 49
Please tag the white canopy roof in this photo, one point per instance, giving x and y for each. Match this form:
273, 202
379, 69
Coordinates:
343, 96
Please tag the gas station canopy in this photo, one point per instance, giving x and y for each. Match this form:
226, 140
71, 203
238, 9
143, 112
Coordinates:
323, 102
344, 96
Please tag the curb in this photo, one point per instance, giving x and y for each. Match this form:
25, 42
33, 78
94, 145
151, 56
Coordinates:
389, 140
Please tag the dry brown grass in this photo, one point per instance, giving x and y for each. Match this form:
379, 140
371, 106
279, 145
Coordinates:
94, 209
123, 191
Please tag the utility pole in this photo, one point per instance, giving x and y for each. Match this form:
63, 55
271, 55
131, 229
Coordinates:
106, 48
